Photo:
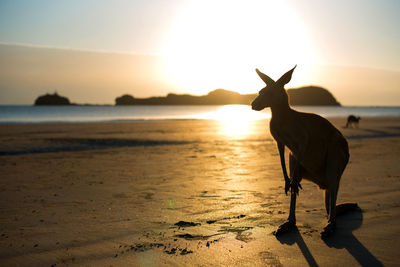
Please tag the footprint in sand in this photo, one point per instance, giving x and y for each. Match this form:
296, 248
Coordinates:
270, 259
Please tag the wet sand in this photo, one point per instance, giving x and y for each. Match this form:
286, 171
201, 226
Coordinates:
187, 193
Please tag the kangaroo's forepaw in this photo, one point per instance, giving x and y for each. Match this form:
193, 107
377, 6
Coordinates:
287, 186
285, 228
328, 230
293, 186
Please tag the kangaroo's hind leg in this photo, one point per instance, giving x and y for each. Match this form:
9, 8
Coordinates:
330, 205
295, 176
327, 196
334, 170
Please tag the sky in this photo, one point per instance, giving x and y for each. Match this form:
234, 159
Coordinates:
210, 44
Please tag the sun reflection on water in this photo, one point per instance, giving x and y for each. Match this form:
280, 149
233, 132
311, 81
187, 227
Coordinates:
236, 121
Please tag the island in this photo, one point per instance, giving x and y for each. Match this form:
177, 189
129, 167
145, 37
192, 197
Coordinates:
303, 96
311, 96
52, 100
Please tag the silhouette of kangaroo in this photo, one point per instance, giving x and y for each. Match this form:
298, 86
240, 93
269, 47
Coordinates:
352, 121
318, 151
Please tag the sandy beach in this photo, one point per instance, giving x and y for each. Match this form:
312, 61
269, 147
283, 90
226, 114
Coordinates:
187, 193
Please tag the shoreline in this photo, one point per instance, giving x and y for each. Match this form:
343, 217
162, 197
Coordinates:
102, 114
92, 136
157, 120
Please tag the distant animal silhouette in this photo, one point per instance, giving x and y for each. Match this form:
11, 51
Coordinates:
318, 151
352, 121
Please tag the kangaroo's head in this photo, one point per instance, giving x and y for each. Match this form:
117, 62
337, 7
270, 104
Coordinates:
273, 94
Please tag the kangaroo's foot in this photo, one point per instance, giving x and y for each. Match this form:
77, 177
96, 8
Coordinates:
285, 228
328, 230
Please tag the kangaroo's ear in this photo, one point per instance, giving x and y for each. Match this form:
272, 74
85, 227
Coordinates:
265, 78
286, 77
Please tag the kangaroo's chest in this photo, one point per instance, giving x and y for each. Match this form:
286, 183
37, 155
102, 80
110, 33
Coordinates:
306, 148
291, 137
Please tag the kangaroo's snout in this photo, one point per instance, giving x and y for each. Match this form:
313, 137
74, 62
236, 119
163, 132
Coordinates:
255, 106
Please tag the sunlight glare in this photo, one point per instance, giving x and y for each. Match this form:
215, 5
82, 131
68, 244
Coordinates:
236, 121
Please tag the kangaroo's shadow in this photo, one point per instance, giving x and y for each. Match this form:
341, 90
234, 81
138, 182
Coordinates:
295, 237
343, 238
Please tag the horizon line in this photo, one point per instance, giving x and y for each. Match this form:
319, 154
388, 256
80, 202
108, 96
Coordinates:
131, 53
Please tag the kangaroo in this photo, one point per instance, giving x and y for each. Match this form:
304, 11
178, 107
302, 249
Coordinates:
318, 151
352, 120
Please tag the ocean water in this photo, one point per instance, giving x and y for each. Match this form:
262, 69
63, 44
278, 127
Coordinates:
69, 114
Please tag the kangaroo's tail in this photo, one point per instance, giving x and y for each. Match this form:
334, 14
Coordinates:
343, 208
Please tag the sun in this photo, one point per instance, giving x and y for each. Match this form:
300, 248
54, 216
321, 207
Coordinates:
218, 44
